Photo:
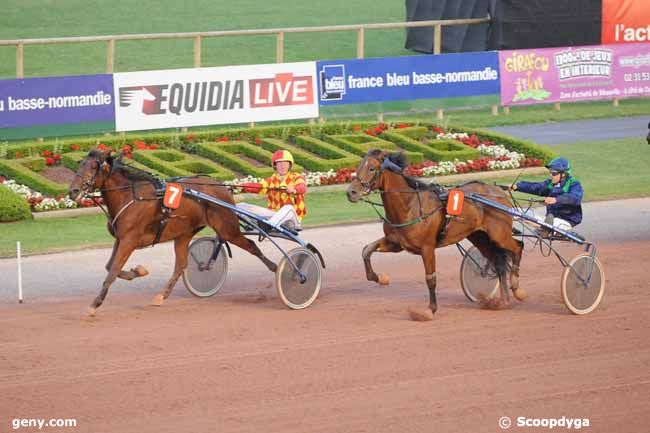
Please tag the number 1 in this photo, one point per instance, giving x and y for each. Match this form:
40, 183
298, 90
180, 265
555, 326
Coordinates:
455, 199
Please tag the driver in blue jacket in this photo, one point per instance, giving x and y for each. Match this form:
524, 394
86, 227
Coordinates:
563, 194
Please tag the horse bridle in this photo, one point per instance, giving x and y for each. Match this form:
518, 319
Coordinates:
368, 187
385, 164
88, 182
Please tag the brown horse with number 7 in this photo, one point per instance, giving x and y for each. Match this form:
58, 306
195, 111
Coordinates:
137, 220
415, 220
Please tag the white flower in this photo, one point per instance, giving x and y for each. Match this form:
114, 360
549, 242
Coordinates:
452, 136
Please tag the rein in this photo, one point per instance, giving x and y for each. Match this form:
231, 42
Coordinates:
422, 217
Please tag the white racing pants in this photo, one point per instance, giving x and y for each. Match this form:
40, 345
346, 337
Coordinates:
275, 218
557, 222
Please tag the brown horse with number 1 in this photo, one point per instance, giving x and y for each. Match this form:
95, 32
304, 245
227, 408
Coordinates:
137, 220
415, 221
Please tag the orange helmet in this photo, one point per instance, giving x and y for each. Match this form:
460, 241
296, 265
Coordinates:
282, 155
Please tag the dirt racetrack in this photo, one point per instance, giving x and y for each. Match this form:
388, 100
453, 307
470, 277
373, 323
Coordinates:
352, 362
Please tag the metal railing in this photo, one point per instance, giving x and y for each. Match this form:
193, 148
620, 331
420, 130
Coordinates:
199, 36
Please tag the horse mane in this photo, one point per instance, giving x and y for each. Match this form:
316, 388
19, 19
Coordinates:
132, 173
400, 159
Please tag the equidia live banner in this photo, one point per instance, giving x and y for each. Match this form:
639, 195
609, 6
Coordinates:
405, 78
209, 96
56, 100
625, 21
574, 73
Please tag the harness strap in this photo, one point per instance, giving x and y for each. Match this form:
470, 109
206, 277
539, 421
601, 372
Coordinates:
400, 225
120, 213
163, 223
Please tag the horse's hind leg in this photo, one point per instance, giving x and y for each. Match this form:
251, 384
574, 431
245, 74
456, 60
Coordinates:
226, 224
138, 271
382, 245
121, 252
515, 249
181, 245
246, 244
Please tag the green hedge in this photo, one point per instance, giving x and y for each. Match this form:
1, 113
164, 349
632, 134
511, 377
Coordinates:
181, 164
35, 163
15, 170
433, 150
528, 148
309, 160
360, 144
12, 206
226, 154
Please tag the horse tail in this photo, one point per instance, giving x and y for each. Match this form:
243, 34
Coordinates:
502, 259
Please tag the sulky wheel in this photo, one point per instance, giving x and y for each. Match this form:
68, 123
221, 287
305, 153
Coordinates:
205, 274
477, 275
297, 292
583, 284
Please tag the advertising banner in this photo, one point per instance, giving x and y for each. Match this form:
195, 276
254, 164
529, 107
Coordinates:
406, 78
574, 73
56, 100
210, 96
625, 21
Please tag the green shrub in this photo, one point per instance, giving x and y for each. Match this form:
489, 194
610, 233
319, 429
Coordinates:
226, 154
21, 174
431, 150
528, 148
309, 160
36, 163
12, 206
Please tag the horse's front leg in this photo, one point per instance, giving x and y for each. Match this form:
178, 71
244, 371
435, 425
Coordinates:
121, 252
382, 245
429, 260
138, 271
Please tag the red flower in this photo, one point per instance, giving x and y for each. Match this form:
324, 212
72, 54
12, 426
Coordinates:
49, 161
356, 128
57, 157
402, 125
370, 132
153, 146
189, 137
47, 153
438, 129
258, 141
223, 139
74, 147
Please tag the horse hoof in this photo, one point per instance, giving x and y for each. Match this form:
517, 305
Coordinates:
158, 300
520, 294
420, 315
141, 271
383, 279
91, 311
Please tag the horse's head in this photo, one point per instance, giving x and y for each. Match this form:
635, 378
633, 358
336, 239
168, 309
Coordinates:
92, 173
369, 174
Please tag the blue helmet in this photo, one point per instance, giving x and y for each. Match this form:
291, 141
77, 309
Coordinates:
559, 164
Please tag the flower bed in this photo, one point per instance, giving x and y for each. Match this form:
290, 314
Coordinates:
39, 203
331, 151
